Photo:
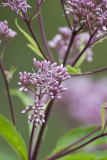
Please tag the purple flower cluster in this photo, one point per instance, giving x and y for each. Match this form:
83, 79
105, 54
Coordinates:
37, 115
6, 32
91, 13
61, 41
45, 82
16, 5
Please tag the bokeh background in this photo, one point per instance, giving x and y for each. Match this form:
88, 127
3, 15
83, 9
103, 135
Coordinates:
18, 55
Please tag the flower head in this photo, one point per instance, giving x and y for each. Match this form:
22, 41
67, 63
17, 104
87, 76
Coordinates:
6, 32
46, 81
37, 113
17, 5
91, 13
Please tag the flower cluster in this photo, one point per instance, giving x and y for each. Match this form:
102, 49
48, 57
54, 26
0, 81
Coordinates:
45, 82
61, 41
6, 32
37, 115
16, 5
91, 13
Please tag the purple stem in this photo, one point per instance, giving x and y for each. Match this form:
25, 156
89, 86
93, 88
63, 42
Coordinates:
43, 34
39, 140
87, 45
3, 50
31, 142
88, 25
80, 146
69, 47
36, 10
34, 37
65, 14
98, 39
78, 141
8, 92
90, 72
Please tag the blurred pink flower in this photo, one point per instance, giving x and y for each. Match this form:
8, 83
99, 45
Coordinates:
83, 99
60, 43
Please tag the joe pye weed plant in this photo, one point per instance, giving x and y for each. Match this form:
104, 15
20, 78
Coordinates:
59, 60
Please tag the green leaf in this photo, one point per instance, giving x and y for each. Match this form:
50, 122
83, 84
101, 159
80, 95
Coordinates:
76, 134
80, 156
72, 70
72, 136
33, 46
103, 116
8, 131
101, 155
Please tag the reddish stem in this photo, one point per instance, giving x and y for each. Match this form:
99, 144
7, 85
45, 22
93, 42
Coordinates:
34, 37
43, 34
76, 148
36, 150
8, 92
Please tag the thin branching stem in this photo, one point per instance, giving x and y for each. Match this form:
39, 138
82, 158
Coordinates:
68, 22
8, 92
36, 10
90, 72
78, 147
98, 39
84, 49
69, 47
3, 50
31, 142
36, 150
34, 37
43, 34
75, 143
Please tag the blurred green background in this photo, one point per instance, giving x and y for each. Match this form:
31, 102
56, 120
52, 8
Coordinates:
18, 55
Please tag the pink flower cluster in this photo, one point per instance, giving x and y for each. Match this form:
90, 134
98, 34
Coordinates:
16, 5
6, 32
48, 78
91, 13
61, 41
45, 82
37, 115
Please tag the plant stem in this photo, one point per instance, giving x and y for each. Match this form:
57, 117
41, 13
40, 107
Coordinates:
34, 37
3, 50
31, 142
78, 141
8, 92
80, 146
69, 47
36, 10
65, 14
39, 140
98, 39
90, 72
43, 34
87, 45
